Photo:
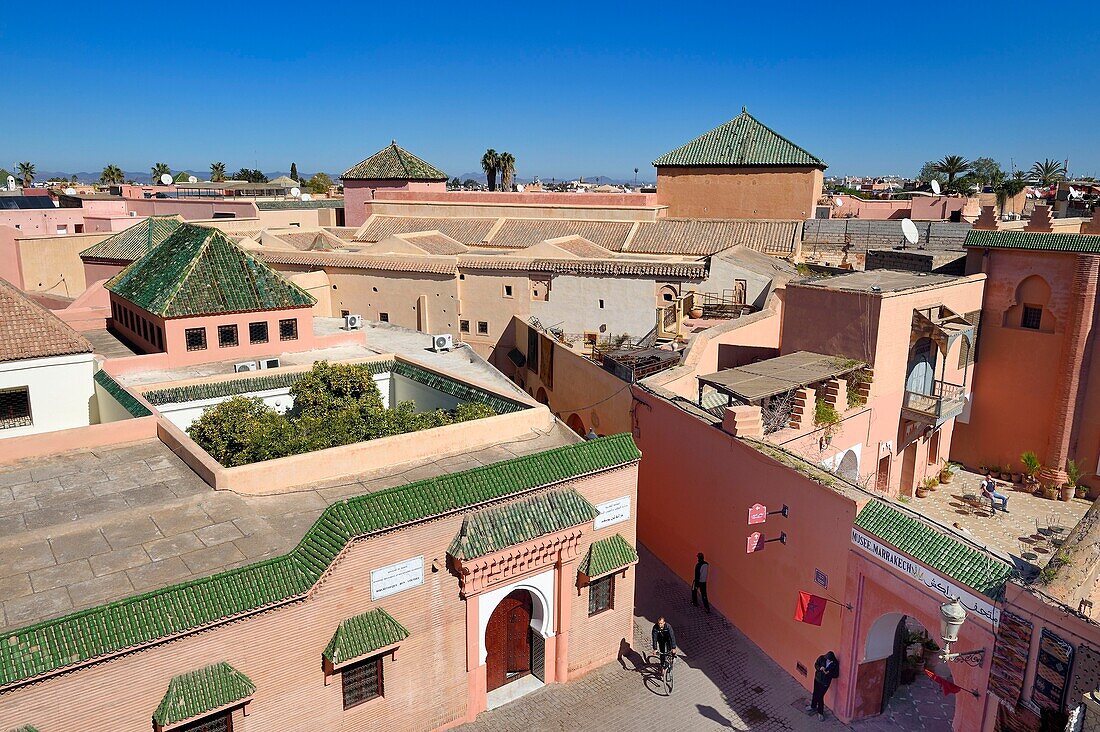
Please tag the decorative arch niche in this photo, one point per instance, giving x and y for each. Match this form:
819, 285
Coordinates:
1032, 292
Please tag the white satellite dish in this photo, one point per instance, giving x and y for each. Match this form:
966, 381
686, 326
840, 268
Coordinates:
295, 192
192, 179
166, 179
11, 183
936, 187
909, 230
70, 191
1073, 192
306, 197
838, 202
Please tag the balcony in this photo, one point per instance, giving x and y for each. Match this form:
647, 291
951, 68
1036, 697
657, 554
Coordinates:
944, 401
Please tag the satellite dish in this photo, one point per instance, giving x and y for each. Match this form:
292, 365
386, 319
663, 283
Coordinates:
166, 179
295, 192
192, 179
909, 230
11, 183
306, 197
70, 191
936, 187
838, 202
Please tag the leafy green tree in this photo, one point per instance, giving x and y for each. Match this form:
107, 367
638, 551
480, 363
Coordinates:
320, 183
217, 172
160, 169
25, 172
469, 183
240, 431
250, 175
112, 175
490, 163
507, 170
952, 165
987, 171
294, 171
330, 387
1048, 172
929, 173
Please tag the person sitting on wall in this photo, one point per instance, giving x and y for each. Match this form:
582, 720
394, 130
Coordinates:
989, 490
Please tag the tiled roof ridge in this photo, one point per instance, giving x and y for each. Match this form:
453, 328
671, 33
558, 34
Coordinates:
203, 690
782, 137
124, 625
699, 146
1060, 241
607, 555
125, 399
361, 634
48, 336
507, 524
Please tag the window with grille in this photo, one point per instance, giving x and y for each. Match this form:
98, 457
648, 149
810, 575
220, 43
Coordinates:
362, 681
227, 336
195, 339
15, 408
1032, 317
218, 723
482, 327
257, 332
383, 317
288, 329
601, 595
464, 326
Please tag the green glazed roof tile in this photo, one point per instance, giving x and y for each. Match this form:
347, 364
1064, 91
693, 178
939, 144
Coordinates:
195, 693
393, 163
123, 397
360, 635
1052, 242
607, 555
137, 621
136, 241
200, 271
742, 141
935, 548
497, 528
294, 204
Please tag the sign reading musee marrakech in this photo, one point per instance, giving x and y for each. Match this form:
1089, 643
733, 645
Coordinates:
386, 581
612, 512
932, 580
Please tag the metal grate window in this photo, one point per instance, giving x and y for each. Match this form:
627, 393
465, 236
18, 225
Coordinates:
362, 682
195, 338
227, 336
218, 723
288, 329
482, 327
601, 595
464, 326
15, 408
1032, 317
257, 332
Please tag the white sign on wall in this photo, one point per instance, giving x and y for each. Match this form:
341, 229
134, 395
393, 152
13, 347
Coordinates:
932, 580
386, 581
612, 512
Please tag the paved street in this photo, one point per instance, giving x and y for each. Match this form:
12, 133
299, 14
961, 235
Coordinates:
723, 682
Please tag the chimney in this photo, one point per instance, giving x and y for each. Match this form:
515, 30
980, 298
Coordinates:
1040, 219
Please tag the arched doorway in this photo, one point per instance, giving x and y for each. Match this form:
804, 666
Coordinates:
908, 692
540, 396
922, 367
574, 422
508, 640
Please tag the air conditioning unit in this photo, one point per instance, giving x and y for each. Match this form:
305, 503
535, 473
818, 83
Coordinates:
246, 366
443, 342
353, 322
269, 363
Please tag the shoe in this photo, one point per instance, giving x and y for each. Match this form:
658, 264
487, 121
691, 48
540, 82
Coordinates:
1005, 510
810, 710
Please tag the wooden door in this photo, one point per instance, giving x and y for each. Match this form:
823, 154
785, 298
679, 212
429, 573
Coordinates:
508, 640
893, 664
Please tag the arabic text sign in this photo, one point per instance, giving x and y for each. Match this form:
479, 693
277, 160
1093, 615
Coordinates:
386, 581
754, 542
758, 513
932, 580
612, 512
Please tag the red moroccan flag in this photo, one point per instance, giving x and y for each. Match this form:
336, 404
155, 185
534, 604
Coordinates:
811, 608
945, 685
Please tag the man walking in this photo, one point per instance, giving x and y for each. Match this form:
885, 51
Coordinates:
826, 669
989, 491
699, 586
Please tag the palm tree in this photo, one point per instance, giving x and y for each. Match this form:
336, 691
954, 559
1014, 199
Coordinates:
952, 165
507, 170
490, 163
1007, 189
1048, 172
25, 172
217, 172
160, 169
112, 175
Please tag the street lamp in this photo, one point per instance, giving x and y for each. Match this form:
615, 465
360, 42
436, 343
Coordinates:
952, 617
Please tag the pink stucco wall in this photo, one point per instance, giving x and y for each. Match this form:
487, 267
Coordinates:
192, 209
359, 193
545, 198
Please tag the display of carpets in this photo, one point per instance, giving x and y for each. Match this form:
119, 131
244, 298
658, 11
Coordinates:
1006, 676
1051, 671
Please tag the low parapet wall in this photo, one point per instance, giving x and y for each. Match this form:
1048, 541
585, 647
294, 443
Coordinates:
92, 436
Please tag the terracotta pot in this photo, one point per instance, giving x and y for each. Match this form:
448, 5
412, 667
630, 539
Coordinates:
922, 492
946, 477
1067, 492
696, 312
1017, 477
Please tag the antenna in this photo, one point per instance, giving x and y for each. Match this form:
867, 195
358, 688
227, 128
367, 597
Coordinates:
166, 179
936, 187
909, 231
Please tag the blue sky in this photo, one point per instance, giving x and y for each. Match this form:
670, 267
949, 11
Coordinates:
569, 89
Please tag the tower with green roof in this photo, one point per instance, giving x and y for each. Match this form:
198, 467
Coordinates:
391, 168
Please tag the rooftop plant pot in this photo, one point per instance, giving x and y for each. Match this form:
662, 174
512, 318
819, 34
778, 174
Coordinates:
1066, 492
696, 312
922, 492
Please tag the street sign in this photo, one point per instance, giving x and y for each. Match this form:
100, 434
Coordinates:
755, 542
758, 513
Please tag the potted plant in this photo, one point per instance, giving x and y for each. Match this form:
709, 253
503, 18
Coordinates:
1073, 474
1006, 472
1082, 491
948, 470
1050, 492
922, 491
826, 416
1032, 466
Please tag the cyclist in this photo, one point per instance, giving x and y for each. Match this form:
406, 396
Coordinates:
664, 639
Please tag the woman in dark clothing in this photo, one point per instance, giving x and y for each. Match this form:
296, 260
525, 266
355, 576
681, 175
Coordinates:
826, 669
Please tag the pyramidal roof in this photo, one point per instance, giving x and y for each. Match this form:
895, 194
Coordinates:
200, 271
393, 163
744, 140
136, 241
28, 330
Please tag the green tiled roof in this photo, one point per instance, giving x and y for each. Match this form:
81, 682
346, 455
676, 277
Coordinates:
933, 547
123, 397
497, 528
607, 555
200, 271
137, 621
741, 141
393, 163
1084, 243
24, 728
194, 694
359, 635
135, 242
296, 204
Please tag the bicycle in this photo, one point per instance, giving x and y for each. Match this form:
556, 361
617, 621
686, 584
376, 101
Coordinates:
666, 661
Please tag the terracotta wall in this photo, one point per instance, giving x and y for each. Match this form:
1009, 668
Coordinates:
739, 193
192, 208
359, 193
574, 206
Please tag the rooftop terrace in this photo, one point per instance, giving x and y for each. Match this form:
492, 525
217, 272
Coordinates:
879, 280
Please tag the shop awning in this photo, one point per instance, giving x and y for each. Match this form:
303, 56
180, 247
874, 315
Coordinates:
362, 635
